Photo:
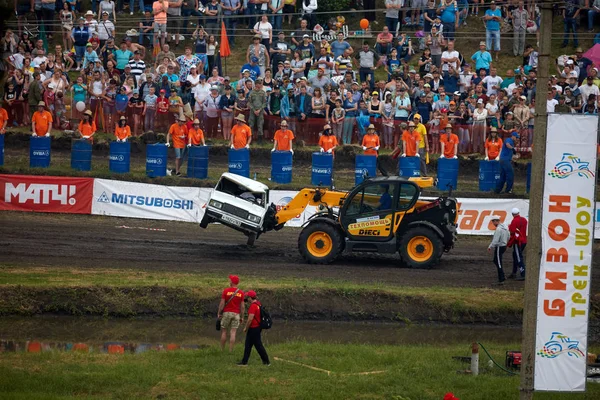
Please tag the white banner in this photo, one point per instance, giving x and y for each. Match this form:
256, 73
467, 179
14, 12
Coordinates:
130, 201
141, 200
567, 231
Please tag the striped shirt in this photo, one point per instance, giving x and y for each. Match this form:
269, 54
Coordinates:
137, 67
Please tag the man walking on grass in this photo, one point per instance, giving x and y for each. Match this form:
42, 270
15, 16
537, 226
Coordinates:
498, 246
231, 311
253, 332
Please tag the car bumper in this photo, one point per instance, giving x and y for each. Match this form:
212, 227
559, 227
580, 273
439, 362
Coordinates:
244, 226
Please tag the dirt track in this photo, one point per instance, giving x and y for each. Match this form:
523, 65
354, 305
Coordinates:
28, 239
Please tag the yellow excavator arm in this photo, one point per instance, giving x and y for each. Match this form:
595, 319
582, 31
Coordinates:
309, 197
326, 197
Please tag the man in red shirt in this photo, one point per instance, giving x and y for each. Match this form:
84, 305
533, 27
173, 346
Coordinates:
231, 311
518, 241
384, 41
253, 330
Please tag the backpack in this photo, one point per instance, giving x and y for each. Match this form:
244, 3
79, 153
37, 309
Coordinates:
265, 319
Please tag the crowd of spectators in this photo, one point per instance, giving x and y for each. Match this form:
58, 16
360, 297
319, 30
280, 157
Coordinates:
305, 78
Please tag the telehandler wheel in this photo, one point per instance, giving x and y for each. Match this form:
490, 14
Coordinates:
320, 243
420, 247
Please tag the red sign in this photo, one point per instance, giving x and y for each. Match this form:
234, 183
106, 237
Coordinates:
46, 194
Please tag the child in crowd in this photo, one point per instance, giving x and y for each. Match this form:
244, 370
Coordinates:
337, 119
150, 112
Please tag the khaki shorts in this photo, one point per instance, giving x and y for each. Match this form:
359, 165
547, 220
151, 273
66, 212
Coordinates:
230, 320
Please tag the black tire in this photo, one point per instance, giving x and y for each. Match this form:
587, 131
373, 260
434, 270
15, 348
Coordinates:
205, 221
251, 239
320, 250
424, 251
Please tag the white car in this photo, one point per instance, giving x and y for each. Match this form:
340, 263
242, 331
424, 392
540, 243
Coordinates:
240, 203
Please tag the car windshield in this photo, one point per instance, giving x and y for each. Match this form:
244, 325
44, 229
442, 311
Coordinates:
237, 190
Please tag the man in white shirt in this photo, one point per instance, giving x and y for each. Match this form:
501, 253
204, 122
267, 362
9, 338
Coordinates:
465, 78
91, 23
106, 29
493, 82
588, 88
551, 102
450, 56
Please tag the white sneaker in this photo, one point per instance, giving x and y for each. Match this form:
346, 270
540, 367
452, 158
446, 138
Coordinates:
131, 13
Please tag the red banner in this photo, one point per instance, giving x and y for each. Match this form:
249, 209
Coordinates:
46, 194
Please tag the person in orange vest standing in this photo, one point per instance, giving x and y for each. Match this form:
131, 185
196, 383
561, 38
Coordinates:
370, 142
493, 145
231, 311
449, 142
241, 134
41, 121
3, 118
518, 241
195, 135
410, 141
283, 138
328, 142
122, 131
179, 133
87, 126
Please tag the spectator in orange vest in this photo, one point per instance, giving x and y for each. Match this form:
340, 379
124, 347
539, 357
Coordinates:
370, 142
493, 145
122, 131
241, 134
283, 138
410, 141
449, 142
41, 121
195, 135
328, 142
87, 126
3, 118
179, 133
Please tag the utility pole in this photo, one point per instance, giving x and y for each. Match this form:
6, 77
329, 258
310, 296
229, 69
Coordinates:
534, 245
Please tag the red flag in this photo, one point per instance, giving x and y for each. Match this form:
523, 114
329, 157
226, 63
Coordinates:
225, 50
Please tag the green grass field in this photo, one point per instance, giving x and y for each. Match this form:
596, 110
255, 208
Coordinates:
299, 370
207, 286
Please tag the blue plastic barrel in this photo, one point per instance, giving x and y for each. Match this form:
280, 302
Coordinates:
156, 160
489, 173
365, 165
1, 150
239, 162
39, 152
119, 157
322, 169
81, 155
409, 167
528, 176
198, 162
281, 166
447, 174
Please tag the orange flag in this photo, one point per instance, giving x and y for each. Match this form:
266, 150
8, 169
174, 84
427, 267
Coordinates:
224, 50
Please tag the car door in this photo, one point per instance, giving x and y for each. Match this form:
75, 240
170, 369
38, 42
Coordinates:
368, 213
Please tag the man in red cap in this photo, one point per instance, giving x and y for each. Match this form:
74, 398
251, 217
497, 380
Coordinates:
231, 311
253, 330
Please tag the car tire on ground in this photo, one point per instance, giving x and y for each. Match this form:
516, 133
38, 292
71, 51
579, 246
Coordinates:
420, 247
320, 243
